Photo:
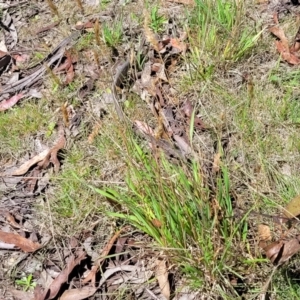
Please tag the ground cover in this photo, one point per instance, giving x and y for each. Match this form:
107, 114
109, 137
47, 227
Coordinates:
149, 150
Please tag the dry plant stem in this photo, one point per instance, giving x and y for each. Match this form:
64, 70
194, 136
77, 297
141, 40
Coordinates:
79, 3
55, 55
266, 285
97, 32
52, 230
53, 7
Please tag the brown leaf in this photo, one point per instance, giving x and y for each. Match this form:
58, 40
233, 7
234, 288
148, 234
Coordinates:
78, 294
52, 154
278, 32
25, 167
72, 262
4, 105
104, 253
280, 252
70, 75
292, 209
286, 55
181, 46
161, 274
264, 232
188, 110
19, 241
273, 250
217, 162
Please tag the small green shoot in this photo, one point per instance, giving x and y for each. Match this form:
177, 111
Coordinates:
26, 282
157, 21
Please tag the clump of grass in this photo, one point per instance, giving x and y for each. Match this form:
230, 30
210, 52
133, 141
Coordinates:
112, 34
19, 123
157, 21
171, 204
219, 30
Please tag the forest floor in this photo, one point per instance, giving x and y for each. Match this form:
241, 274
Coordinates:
149, 149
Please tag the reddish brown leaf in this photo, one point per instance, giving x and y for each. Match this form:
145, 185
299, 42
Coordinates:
72, 262
19, 241
278, 32
286, 55
181, 46
88, 24
4, 105
70, 75
66, 65
52, 154
273, 250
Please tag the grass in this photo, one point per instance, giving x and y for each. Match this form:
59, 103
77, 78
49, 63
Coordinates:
201, 220
18, 125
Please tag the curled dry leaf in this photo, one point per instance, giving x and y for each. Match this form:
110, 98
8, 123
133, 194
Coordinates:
286, 55
161, 274
264, 232
26, 166
19, 241
282, 251
278, 32
283, 46
4, 105
292, 209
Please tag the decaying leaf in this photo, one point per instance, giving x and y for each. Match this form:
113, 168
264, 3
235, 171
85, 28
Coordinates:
217, 162
78, 294
264, 232
292, 209
278, 32
282, 251
19, 241
4, 105
91, 276
283, 46
161, 274
34, 160
52, 154
72, 262
286, 55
